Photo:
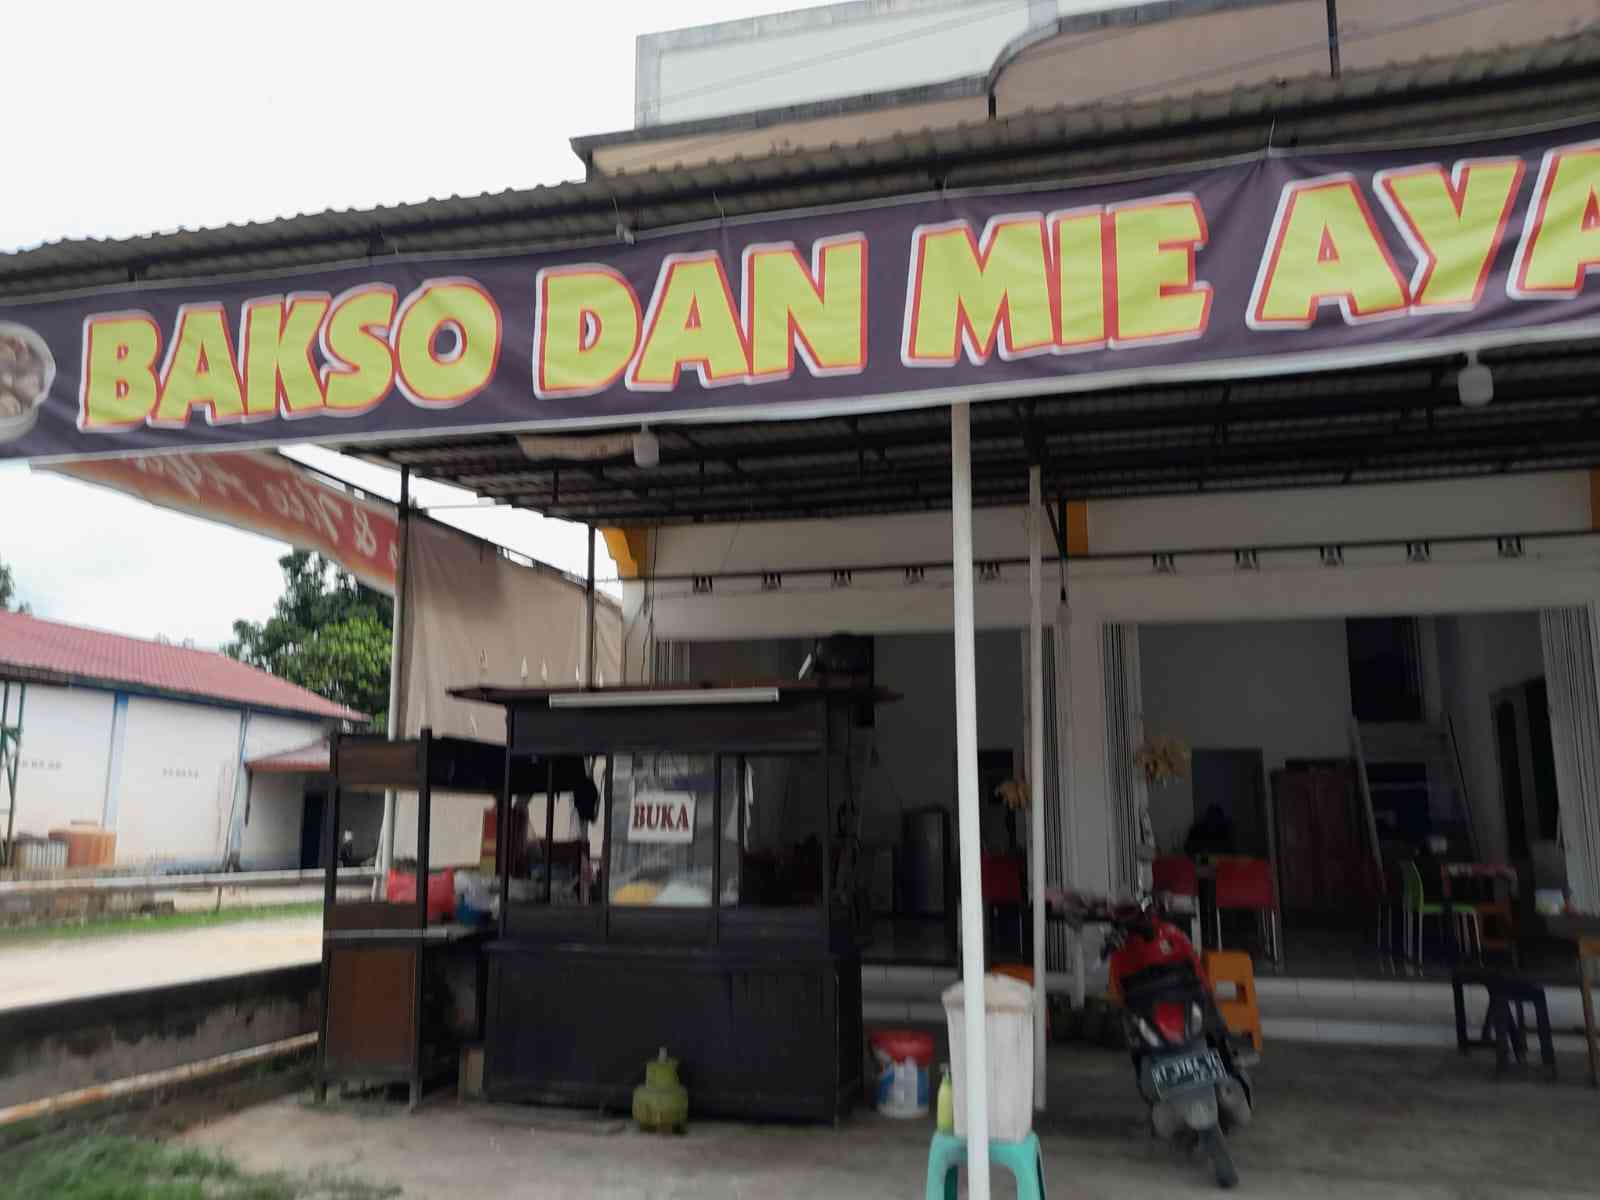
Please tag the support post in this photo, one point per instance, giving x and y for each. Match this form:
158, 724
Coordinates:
1069, 798
968, 839
397, 650
1036, 791
10, 765
1334, 68
588, 596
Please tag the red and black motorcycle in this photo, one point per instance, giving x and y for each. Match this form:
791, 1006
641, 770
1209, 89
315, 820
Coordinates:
1189, 1071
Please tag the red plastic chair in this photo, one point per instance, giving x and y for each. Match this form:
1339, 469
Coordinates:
1246, 883
1002, 879
1002, 885
1176, 884
1175, 875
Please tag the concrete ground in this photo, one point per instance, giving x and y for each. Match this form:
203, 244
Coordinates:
35, 971
1332, 1122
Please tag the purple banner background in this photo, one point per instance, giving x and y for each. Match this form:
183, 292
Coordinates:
1238, 200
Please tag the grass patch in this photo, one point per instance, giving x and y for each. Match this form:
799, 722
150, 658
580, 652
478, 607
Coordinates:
104, 1167
155, 923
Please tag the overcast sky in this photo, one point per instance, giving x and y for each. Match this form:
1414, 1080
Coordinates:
124, 119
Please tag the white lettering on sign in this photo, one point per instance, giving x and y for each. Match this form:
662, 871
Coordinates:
661, 817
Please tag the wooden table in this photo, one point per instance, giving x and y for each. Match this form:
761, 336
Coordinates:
1585, 931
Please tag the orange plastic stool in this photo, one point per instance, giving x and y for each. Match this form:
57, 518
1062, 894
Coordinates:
1237, 1004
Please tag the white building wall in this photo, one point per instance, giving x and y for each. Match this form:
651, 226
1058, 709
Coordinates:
179, 763
1290, 585
174, 788
66, 744
1281, 687
1479, 655
271, 840
455, 834
276, 808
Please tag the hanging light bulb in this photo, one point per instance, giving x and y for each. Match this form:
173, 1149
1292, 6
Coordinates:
646, 448
1475, 383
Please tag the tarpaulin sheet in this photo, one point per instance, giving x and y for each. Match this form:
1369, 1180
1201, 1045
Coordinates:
479, 618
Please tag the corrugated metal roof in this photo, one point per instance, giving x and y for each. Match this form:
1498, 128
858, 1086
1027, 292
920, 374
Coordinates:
60, 652
1499, 88
1399, 421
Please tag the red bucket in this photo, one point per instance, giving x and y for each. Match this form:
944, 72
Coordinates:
901, 1059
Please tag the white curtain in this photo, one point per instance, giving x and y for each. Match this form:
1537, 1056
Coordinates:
1569, 666
1049, 791
670, 662
1130, 849
477, 617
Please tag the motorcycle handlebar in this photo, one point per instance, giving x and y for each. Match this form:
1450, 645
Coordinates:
1082, 908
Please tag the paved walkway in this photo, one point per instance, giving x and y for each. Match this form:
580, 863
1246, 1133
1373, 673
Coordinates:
1333, 1124
34, 971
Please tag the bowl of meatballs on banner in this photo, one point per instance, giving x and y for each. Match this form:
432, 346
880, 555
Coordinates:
26, 371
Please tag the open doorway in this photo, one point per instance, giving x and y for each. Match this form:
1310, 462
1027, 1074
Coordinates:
1351, 752
900, 772
316, 802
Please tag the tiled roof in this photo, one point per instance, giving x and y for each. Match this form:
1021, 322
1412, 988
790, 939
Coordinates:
311, 759
51, 649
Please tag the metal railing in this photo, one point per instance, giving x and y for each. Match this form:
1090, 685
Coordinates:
199, 882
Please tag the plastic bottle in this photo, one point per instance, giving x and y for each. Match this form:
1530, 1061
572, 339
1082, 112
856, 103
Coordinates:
946, 1116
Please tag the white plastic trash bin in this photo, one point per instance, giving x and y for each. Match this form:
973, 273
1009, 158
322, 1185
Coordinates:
1008, 1009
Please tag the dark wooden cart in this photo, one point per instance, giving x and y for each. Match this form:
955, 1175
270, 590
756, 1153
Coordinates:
383, 964
756, 986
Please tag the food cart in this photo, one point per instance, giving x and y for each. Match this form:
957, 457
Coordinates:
402, 981
715, 923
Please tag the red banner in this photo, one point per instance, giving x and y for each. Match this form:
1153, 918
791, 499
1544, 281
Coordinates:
266, 494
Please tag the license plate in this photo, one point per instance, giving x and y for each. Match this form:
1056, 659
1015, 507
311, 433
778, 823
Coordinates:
1188, 1071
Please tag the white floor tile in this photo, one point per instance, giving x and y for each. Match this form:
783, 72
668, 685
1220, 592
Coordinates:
1290, 1029
1327, 989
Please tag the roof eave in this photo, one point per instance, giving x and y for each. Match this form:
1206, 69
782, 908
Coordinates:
17, 673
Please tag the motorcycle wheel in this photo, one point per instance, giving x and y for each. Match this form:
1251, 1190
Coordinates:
1216, 1147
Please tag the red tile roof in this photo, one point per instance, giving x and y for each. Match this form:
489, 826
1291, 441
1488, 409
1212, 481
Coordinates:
314, 758
92, 656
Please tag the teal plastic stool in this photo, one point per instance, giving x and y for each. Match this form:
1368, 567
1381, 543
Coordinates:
948, 1154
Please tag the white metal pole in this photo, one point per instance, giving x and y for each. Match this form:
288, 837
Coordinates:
588, 636
1036, 789
977, 1056
397, 649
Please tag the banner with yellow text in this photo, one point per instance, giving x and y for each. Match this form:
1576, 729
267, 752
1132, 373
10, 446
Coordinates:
1279, 264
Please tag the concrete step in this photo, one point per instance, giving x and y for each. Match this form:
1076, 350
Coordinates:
1346, 1011
1397, 1012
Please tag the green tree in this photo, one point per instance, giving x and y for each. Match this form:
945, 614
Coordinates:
329, 633
8, 592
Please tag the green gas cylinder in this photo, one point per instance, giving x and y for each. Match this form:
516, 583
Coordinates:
660, 1103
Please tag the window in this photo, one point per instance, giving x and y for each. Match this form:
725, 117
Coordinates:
663, 809
555, 846
772, 828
